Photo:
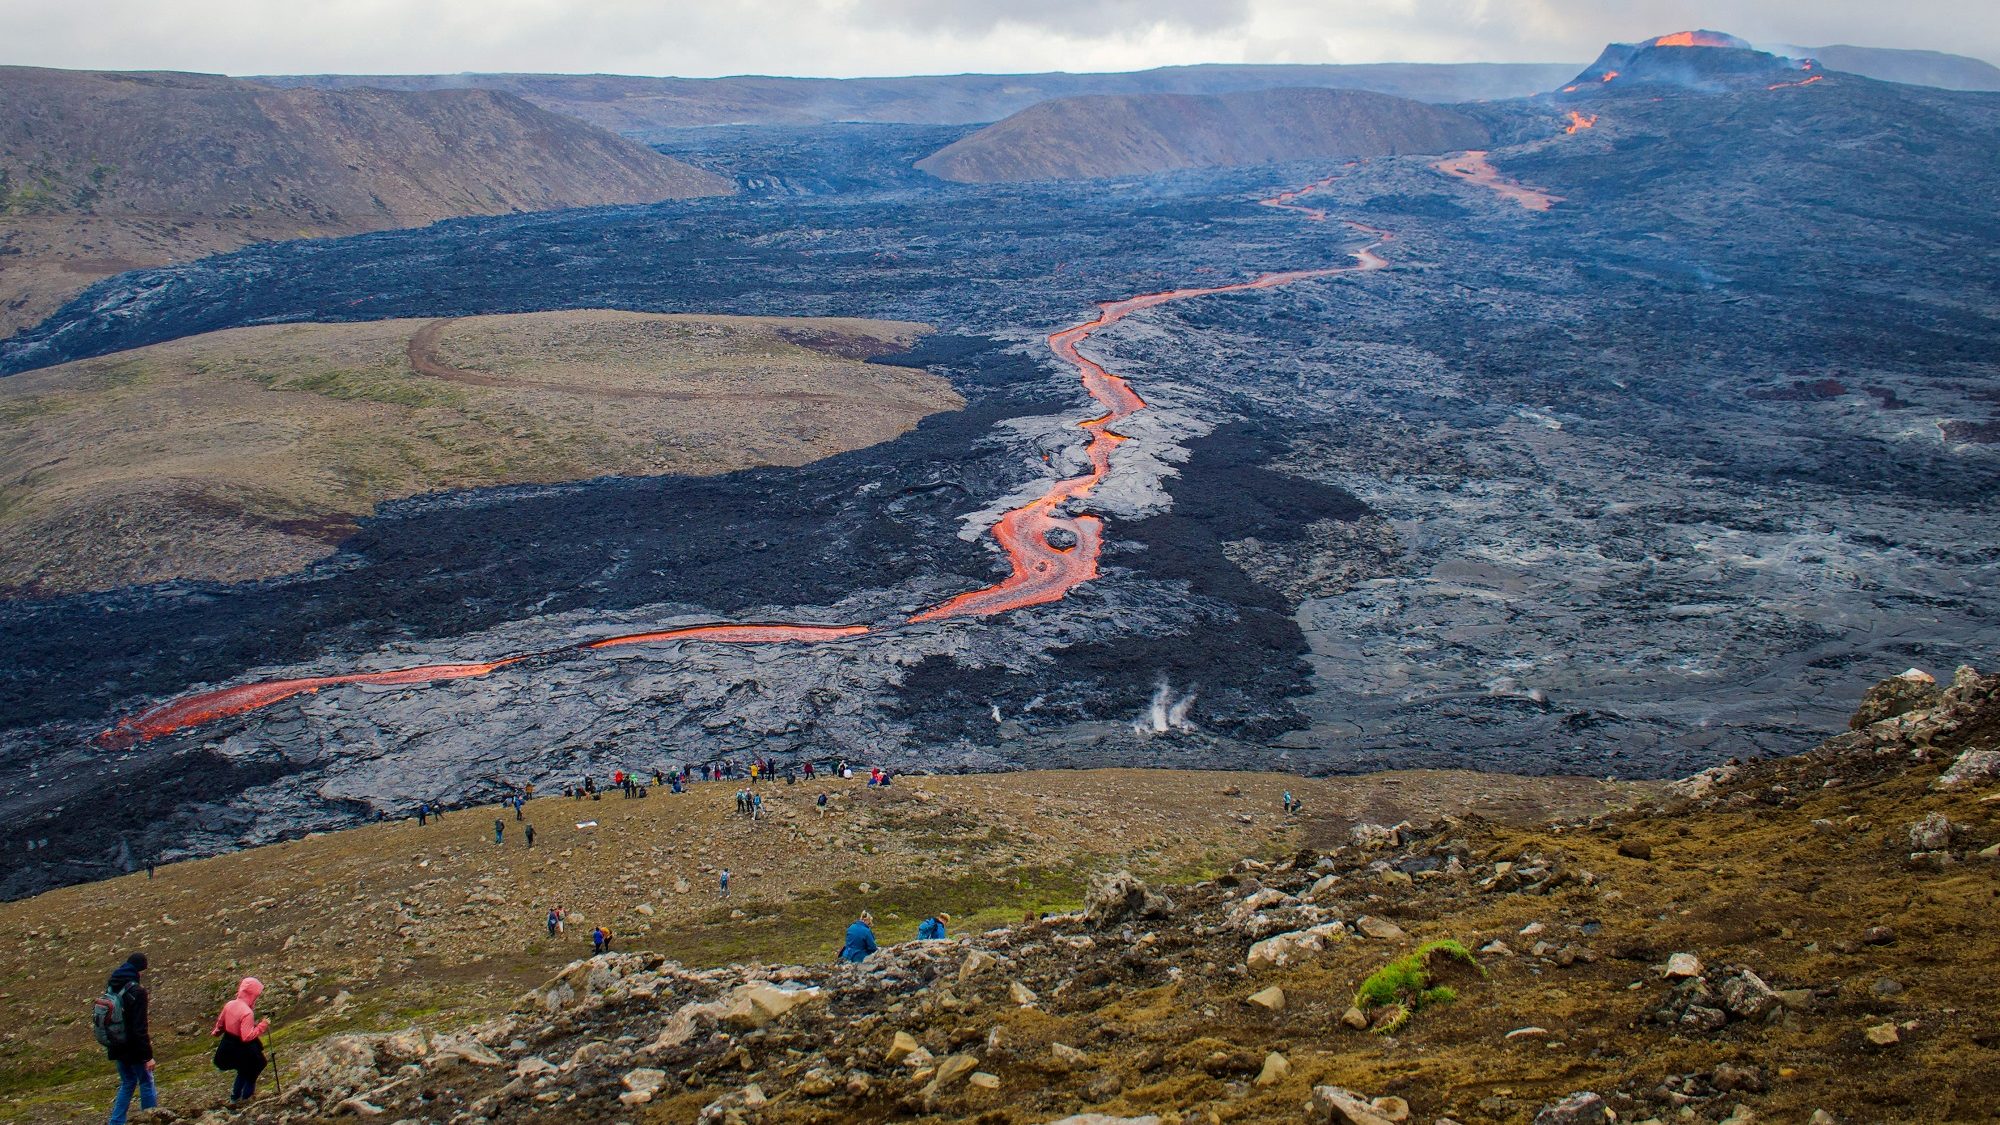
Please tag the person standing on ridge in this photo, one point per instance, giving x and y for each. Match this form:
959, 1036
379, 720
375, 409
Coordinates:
529, 831
860, 939
725, 882
499, 830
120, 1021
424, 814
242, 1046
933, 927
555, 920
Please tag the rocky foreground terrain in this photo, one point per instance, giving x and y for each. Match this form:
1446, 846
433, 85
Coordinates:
1792, 940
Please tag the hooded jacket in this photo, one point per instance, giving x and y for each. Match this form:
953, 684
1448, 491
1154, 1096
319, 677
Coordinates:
239, 1016
860, 943
138, 1045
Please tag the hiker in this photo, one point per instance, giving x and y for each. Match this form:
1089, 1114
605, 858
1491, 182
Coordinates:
529, 791
423, 814
242, 1046
555, 920
599, 940
725, 882
119, 1019
874, 777
757, 807
933, 927
819, 802
149, 867
517, 809
499, 830
860, 939
809, 770
530, 833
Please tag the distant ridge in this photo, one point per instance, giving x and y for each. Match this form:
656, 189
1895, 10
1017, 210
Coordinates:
102, 172
637, 106
1080, 138
1915, 68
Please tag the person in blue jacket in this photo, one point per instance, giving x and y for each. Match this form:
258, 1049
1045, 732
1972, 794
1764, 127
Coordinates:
860, 939
933, 928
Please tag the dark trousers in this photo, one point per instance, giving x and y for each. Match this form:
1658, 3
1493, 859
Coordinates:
246, 1078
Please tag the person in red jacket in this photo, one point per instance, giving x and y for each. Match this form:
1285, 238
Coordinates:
242, 1046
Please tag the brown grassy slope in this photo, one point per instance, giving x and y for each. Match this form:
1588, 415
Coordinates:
1118, 135
1804, 871
250, 452
105, 171
439, 924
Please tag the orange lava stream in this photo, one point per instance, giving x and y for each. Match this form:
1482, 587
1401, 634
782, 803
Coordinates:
729, 634
1608, 76
1473, 167
1580, 121
1289, 200
1041, 571
1800, 82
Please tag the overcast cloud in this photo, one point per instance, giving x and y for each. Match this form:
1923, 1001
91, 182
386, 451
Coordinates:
846, 38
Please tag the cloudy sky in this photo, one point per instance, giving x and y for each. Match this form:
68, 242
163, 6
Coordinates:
845, 38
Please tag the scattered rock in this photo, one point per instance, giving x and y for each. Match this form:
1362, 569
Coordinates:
976, 962
1114, 898
1635, 849
1069, 1056
1971, 766
1878, 935
1276, 1070
951, 1070
1380, 928
1931, 834
901, 1047
757, 1004
1355, 1018
983, 1080
1341, 1106
1583, 1108
1392, 1107
1681, 966
1529, 1032
1020, 994
1271, 999
1883, 1035
1288, 948
1894, 697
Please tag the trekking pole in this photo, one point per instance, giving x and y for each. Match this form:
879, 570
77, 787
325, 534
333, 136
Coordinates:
277, 1075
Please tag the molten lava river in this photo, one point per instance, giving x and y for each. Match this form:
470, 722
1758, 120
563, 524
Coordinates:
1050, 550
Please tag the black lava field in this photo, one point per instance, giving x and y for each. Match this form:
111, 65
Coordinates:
1655, 477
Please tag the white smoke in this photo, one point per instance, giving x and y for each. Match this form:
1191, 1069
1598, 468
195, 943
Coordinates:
1165, 713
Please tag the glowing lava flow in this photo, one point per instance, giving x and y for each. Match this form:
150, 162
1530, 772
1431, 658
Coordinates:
1800, 82
1694, 39
208, 706
1580, 121
1473, 167
1042, 571
1289, 200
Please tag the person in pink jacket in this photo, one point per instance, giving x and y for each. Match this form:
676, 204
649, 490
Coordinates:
242, 1046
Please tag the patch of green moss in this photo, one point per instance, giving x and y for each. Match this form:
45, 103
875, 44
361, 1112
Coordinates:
1404, 984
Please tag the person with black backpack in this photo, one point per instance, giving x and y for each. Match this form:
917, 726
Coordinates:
119, 1019
242, 1033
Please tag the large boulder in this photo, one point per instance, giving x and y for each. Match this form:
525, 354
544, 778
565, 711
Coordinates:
759, 1004
338, 1066
1896, 696
1114, 898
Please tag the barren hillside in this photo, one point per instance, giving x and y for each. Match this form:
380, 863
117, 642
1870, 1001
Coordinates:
1082, 138
103, 171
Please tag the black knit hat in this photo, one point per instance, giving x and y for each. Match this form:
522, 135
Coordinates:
137, 961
